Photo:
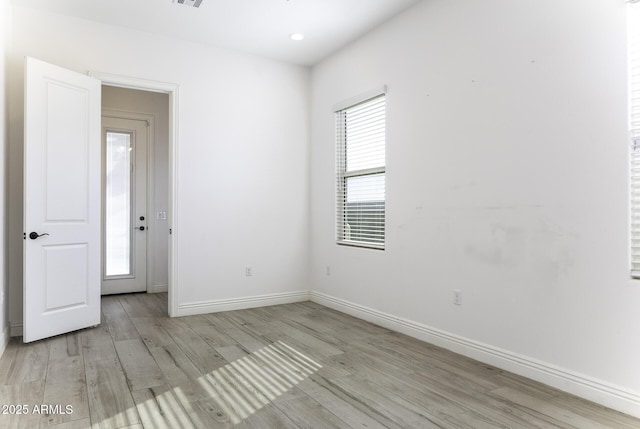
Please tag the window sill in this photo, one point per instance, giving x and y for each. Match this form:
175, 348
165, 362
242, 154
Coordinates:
361, 244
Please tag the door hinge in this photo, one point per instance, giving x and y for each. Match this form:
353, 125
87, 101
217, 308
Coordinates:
24, 235
170, 231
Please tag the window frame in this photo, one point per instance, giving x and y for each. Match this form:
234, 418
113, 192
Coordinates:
633, 28
343, 175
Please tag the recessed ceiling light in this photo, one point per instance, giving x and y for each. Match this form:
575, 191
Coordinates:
296, 36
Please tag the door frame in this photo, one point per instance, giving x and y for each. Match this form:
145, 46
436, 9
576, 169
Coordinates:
172, 90
149, 202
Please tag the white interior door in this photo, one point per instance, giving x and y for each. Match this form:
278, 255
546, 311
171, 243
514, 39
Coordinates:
125, 144
61, 201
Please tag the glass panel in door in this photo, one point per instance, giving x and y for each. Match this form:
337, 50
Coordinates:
118, 200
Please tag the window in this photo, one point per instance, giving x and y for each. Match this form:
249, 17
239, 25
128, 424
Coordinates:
633, 26
360, 152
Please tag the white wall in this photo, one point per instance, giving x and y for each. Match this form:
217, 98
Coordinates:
5, 43
242, 155
506, 178
156, 105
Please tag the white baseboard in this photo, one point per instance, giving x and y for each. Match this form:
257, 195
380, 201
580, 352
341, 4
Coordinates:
587, 387
4, 340
158, 288
15, 328
203, 307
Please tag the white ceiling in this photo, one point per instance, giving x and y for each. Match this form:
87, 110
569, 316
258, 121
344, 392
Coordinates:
260, 27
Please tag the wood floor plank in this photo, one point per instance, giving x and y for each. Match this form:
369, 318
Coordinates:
151, 331
8, 357
291, 366
432, 367
65, 387
201, 354
138, 305
561, 415
25, 395
65, 346
205, 328
308, 413
481, 402
437, 403
219, 320
74, 424
343, 409
161, 301
211, 415
598, 413
248, 339
174, 364
96, 335
139, 366
310, 320
240, 333
71, 401
311, 340
180, 372
117, 319
270, 417
247, 317
29, 363
110, 402
159, 408
232, 353
381, 401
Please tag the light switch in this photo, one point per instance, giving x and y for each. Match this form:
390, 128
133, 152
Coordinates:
161, 216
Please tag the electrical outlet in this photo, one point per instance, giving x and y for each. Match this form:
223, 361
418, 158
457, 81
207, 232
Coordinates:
328, 270
248, 271
457, 297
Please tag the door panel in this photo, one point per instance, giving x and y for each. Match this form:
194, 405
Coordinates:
125, 146
65, 268
61, 200
66, 154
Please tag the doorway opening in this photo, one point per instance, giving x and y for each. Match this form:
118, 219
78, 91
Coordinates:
135, 229
128, 104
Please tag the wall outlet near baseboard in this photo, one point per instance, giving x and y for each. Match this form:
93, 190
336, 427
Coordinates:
457, 297
248, 271
328, 270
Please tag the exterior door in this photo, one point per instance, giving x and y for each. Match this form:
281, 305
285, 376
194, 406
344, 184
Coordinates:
125, 223
61, 291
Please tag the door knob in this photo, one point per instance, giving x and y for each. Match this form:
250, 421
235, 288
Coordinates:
141, 228
34, 235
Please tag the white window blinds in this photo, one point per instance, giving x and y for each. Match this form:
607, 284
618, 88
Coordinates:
633, 26
360, 208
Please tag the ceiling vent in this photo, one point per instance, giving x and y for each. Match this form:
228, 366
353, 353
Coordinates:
192, 3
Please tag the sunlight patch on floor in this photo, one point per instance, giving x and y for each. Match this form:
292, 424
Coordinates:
235, 391
246, 385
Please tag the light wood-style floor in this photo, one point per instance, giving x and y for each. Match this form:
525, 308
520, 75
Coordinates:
288, 366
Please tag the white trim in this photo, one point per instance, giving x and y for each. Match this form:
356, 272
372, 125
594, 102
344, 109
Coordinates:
360, 98
173, 90
130, 82
602, 392
4, 340
158, 288
15, 329
203, 307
